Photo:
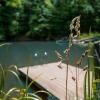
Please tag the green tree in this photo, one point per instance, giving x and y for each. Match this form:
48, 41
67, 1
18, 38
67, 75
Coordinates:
10, 10
46, 19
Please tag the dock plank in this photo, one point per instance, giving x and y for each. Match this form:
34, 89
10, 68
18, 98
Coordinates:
53, 79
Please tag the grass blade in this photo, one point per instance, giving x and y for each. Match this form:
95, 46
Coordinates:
15, 74
8, 93
2, 79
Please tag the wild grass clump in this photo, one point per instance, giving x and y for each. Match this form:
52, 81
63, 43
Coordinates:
75, 32
89, 86
16, 93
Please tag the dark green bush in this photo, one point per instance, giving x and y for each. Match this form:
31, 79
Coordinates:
46, 19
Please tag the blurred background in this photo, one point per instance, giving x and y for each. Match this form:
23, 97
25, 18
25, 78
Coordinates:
44, 20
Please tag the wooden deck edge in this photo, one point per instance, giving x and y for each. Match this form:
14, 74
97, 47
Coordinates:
23, 75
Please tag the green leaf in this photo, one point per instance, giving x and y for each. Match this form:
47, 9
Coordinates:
8, 93
15, 74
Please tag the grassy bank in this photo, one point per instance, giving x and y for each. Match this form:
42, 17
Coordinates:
87, 35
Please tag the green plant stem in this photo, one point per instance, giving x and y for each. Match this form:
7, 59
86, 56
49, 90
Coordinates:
92, 90
2, 81
89, 74
27, 82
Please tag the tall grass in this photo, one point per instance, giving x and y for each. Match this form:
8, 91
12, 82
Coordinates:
21, 93
16, 93
90, 91
74, 34
89, 83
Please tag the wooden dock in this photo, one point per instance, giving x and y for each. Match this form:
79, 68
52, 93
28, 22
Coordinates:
53, 79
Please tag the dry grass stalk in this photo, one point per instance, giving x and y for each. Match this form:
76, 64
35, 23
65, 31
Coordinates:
75, 29
75, 32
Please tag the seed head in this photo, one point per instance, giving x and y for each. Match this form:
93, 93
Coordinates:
75, 27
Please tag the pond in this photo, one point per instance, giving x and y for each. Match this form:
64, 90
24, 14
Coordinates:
24, 54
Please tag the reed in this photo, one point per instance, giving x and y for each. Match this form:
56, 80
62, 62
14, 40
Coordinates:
89, 85
74, 34
90, 91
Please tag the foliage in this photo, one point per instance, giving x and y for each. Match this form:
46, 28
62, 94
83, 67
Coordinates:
45, 19
86, 35
16, 93
90, 82
90, 90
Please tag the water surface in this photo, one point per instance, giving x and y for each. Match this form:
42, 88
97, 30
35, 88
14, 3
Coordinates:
34, 53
